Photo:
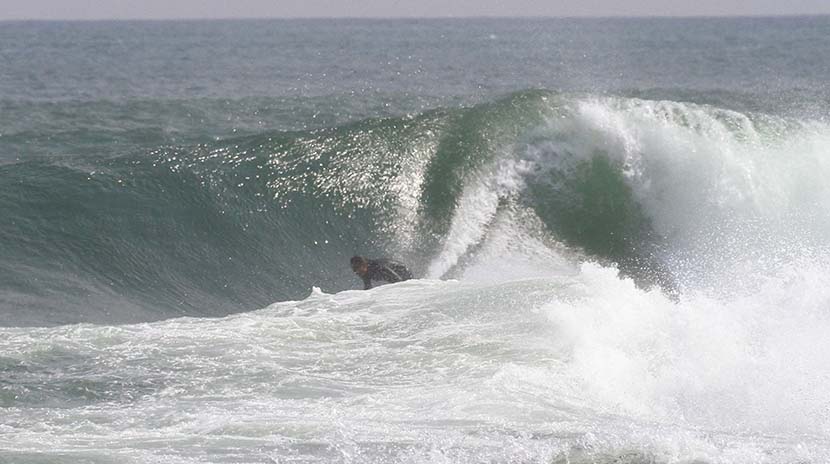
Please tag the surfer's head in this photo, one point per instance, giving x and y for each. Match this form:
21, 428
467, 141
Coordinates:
359, 265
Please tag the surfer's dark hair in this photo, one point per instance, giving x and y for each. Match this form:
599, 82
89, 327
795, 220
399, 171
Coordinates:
357, 261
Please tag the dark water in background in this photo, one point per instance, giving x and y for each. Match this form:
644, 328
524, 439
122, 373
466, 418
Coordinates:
152, 169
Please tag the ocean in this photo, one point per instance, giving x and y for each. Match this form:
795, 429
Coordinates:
619, 228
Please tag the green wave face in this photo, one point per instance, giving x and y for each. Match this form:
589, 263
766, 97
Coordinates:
593, 208
241, 222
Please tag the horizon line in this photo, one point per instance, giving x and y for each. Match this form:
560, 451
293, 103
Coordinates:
405, 18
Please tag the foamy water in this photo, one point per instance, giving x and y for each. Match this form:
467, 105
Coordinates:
572, 367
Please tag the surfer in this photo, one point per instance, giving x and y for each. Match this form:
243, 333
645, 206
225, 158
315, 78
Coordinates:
379, 269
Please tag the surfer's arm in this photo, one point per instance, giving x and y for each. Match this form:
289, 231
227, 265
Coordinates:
391, 275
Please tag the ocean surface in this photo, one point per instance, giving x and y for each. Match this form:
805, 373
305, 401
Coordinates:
620, 229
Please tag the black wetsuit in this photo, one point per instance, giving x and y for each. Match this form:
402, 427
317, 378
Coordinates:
383, 269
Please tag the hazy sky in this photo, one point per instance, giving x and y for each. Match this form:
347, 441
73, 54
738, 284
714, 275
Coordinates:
162, 9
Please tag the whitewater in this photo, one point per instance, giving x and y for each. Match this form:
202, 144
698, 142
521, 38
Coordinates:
607, 273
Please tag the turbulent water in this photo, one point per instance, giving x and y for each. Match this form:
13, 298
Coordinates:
620, 229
